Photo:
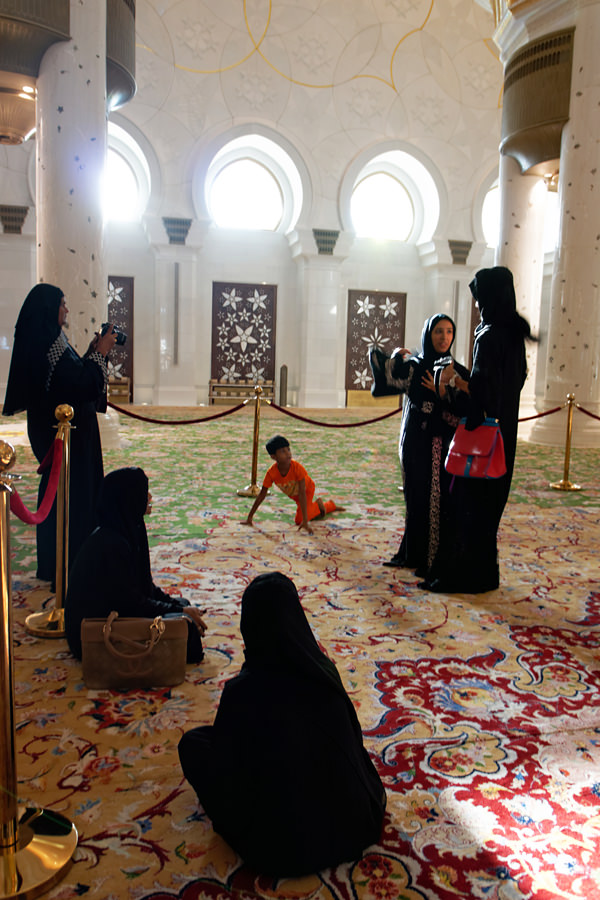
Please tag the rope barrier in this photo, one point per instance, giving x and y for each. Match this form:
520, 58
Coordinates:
587, 412
287, 412
16, 504
541, 415
132, 415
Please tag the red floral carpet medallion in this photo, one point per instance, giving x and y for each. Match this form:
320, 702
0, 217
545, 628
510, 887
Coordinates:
482, 713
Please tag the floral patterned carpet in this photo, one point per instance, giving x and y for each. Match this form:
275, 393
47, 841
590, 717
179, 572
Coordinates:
482, 713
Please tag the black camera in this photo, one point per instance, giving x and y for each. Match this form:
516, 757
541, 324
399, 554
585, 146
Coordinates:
120, 335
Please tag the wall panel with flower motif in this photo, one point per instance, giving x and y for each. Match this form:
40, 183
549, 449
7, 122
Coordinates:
243, 332
375, 319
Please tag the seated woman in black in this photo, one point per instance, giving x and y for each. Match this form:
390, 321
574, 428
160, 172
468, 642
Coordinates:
283, 772
112, 569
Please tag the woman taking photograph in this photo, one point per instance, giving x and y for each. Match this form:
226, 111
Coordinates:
45, 371
467, 559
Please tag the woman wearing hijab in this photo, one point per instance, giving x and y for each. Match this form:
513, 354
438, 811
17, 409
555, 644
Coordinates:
429, 421
467, 561
283, 772
45, 371
112, 569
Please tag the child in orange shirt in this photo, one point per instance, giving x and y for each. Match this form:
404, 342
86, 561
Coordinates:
295, 482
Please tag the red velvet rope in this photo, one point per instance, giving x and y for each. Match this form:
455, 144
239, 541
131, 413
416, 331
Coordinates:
127, 412
541, 415
288, 412
587, 412
16, 504
336, 424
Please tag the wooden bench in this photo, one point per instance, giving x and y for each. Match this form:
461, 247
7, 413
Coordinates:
118, 390
230, 393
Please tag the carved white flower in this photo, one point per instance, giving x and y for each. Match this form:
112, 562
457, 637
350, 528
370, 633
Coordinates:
231, 298
113, 293
229, 373
243, 337
375, 339
362, 377
389, 308
364, 306
258, 301
115, 371
257, 374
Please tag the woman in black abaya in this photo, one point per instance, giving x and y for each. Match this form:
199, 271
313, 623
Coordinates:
428, 424
467, 560
283, 772
45, 371
112, 569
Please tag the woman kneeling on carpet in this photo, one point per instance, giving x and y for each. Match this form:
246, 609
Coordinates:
283, 772
112, 569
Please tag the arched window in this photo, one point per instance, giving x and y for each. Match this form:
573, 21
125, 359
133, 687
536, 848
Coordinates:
391, 197
253, 183
490, 216
381, 207
126, 188
245, 194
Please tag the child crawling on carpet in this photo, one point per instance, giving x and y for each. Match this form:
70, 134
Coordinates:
295, 482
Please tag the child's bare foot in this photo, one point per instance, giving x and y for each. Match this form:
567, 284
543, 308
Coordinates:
321, 506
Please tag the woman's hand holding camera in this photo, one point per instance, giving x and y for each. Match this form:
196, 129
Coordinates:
103, 343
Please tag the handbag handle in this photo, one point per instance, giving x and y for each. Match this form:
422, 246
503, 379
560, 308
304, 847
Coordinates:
144, 648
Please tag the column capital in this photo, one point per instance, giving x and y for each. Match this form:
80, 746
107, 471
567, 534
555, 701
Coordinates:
450, 253
306, 243
178, 236
520, 21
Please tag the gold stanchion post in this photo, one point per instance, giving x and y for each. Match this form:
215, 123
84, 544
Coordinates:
252, 489
36, 846
564, 484
51, 623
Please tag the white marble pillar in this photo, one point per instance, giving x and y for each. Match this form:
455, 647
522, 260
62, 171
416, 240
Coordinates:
521, 249
322, 322
71, 152
573, 362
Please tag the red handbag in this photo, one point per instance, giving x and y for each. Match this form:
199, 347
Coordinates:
478, 453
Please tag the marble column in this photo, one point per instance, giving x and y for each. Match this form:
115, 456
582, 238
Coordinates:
574, 324
70, 158
323, 320
521, 249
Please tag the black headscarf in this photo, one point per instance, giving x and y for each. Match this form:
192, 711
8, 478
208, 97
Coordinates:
121, 507
428, 355
494, 291
276, 632
36, 330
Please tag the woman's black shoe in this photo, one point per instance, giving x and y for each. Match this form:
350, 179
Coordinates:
394, 563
